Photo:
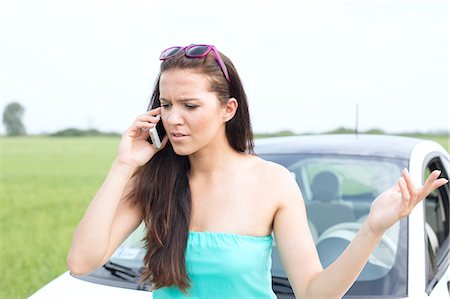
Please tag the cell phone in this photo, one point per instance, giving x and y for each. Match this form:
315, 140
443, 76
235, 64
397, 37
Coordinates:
157, 133
154, 136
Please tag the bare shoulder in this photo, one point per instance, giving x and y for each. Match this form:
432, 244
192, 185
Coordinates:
269, 168
274, 177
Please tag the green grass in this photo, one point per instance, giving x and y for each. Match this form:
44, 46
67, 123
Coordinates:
443, 140
46, 185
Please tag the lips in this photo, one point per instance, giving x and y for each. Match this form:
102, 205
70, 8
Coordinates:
178, 136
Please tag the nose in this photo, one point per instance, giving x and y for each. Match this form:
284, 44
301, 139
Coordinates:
173, 117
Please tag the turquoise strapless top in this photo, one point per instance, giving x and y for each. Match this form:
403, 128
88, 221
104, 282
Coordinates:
225, 265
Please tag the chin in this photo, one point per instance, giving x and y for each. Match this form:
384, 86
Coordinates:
182, 150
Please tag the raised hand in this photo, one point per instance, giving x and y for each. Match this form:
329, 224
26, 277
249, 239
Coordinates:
134, 149
399, 200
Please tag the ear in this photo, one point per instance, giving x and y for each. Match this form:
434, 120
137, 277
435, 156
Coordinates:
230, 109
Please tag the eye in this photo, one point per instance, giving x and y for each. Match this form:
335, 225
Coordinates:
191, 106
165, 105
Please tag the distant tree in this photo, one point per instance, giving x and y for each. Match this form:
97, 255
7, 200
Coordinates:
12, 119
341, 130
276, 134
375, 131
74, 132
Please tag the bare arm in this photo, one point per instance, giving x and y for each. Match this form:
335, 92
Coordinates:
298, 253
106, 223
110, 219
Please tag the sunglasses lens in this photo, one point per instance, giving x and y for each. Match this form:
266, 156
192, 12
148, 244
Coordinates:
169, 52
197, 51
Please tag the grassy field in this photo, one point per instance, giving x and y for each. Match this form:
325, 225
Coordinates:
46, 185
441, 139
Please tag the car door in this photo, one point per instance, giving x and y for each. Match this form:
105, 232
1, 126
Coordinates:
437, 226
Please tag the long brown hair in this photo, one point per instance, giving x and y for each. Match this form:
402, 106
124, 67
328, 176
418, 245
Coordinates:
162, 185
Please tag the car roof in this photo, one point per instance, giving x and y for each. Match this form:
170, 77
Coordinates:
341, 144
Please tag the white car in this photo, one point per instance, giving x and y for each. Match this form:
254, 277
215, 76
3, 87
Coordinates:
411, 261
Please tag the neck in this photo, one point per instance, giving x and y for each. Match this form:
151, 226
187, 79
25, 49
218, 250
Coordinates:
213, 160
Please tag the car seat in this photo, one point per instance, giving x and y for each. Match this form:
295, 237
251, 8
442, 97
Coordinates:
325, 209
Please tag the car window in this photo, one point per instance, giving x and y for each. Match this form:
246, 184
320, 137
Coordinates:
437, 224
132, 251
338, 191
125, 265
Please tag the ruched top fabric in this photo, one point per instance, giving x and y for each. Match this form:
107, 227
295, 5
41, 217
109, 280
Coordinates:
225, 265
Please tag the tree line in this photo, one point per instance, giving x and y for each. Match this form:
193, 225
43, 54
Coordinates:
12, 121
13, 113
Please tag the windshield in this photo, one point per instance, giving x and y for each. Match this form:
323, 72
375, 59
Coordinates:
338, 191
131, 253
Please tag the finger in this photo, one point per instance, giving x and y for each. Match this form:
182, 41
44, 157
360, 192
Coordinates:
439, 183
410, 185
149, 118
144, 126
154, 111
404, 191
428, 186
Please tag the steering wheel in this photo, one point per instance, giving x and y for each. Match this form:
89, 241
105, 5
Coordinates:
384, 253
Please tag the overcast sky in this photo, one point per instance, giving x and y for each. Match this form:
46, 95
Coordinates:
305, 64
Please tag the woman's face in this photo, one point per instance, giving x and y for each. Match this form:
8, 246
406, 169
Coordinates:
191, 114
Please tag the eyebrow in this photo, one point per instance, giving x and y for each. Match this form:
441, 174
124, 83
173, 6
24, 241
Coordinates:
180, 100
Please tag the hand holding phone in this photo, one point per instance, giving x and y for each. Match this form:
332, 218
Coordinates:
135, 148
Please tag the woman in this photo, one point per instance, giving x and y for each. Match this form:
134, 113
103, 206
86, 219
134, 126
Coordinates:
209, 204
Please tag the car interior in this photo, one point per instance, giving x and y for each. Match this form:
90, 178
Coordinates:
338, 195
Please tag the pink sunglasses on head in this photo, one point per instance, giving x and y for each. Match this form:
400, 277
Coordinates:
195, 51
